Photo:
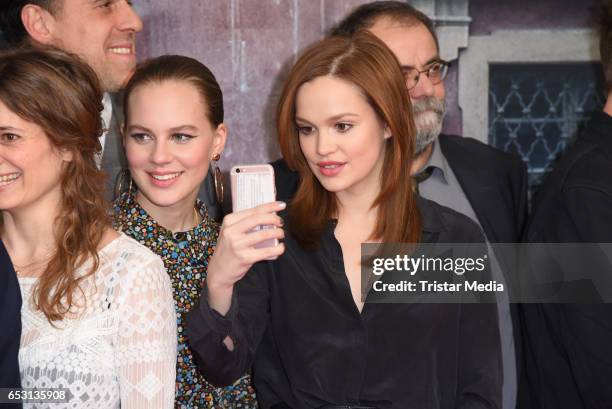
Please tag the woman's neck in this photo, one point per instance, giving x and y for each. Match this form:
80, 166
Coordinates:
181, 216
28, 234
355, 209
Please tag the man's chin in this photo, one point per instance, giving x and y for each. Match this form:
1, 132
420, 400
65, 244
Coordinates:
421, 146
116, 81
426, 135
429, 126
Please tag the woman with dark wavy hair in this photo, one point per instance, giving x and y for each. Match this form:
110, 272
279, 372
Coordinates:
345, 124
97, 306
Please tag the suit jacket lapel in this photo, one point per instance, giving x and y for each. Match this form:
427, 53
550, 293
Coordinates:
113, 157
476, 184
480, 188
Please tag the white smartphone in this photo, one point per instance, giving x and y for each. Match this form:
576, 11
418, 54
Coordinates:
253, 185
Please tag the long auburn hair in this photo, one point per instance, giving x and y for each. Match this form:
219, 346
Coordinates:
367, 63
61, 94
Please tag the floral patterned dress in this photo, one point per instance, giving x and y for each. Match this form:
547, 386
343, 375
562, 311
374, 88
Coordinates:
185, 256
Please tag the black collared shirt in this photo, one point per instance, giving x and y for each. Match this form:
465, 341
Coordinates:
295, 319
10, 324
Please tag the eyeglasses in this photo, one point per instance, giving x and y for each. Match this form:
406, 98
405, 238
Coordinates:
436, 72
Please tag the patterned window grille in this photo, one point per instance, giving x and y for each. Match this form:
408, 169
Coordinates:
536, 110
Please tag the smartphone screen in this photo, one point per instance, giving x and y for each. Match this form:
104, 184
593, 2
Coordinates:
253, 185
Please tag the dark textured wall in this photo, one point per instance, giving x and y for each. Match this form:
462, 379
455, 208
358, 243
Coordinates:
490, 15
249, 44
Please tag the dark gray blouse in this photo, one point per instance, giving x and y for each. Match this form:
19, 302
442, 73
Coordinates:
295, 320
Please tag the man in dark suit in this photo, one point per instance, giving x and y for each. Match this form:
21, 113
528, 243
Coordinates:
568, 347
485, 184
103, 34
10, 324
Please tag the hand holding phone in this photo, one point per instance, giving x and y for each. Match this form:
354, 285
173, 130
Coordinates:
248, 235
236, 250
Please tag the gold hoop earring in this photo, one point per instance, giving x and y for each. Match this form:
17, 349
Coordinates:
124, 183
217, 178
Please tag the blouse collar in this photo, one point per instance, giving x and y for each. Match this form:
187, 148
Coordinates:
130, 208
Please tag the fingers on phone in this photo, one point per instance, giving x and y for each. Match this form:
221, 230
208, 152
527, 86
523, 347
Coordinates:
263, 219
266, 208
272, 253
257, 237
270, 207
254, 255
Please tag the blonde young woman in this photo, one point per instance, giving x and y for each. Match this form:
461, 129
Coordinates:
173, 130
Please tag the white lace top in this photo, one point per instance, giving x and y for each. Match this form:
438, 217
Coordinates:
119, 349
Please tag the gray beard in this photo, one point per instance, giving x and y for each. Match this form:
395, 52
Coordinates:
428, 116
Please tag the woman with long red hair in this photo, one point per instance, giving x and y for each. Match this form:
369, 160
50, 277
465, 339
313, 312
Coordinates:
344, 123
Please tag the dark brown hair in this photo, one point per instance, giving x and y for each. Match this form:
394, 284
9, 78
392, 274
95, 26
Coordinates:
10, 17
179, 68
366, 62
366, 15
605, 41
61, 94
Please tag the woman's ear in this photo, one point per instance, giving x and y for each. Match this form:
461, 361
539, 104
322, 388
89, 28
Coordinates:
387, 132
67, 155
219, 139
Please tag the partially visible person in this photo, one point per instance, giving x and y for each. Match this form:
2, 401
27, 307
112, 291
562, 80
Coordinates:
97, 309
344, 122
103, 34
486, 184
10, 320
568, 347
174, 128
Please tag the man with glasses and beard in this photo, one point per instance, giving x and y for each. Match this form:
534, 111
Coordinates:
468, 176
